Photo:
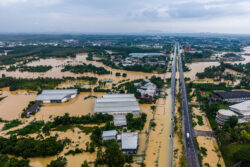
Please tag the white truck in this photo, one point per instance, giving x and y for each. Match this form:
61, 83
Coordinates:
187, 136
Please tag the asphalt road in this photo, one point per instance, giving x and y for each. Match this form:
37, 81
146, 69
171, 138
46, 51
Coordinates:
191, 152
172, 104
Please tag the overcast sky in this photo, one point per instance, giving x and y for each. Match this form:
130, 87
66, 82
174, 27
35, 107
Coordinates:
125, 16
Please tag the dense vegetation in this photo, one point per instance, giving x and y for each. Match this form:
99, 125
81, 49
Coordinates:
79, 69
158, 81
5, 161
146, 68
136, 123
30, 147
30, 68
85, 119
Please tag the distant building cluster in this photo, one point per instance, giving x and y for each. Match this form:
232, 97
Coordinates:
240, 110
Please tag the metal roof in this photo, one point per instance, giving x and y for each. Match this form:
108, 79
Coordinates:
242, 108
233, 94
228, 113
118, 95
116, 103
109, 133
120, 120
117, 99
129, 140
146, 54
60, 91
58, 94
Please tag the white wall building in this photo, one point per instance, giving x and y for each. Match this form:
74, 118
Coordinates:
57, 96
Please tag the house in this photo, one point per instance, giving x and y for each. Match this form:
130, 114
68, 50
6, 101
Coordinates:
117, 104
232, 97
129, 142
240, 110
120, 121
109, 135
57, 96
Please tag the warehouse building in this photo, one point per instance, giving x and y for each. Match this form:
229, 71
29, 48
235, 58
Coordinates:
141, 55
109, 135
129, 142
241, 110
117, 104
57, 96
232, 97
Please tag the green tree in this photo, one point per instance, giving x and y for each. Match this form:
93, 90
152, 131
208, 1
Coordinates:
233, 120
113, 156
59, 162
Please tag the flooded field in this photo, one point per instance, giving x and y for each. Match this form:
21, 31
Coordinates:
11, 107
78, 138
198, 67
75, 107
58, 64
214, 156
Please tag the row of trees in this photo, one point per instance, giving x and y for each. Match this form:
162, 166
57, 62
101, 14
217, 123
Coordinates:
30, 68
37, 83
85, 119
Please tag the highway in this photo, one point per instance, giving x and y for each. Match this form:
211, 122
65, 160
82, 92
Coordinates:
191, 152
172, 104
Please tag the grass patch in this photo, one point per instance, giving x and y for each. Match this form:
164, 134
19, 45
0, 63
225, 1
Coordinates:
200, 120
229, 150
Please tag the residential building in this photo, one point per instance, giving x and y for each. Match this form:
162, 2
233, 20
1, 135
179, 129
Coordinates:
130, 142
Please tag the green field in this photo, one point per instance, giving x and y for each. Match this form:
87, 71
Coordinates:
229, 150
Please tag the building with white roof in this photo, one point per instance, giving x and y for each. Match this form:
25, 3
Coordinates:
120, 120
57, 96
241, 110
117, 104
141, 55
129, 142
109, 135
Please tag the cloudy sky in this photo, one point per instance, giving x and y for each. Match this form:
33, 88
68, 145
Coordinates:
125, 16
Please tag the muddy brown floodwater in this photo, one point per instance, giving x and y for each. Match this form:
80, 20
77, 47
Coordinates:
11, 107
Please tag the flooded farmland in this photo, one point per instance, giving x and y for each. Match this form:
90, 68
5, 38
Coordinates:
12, 106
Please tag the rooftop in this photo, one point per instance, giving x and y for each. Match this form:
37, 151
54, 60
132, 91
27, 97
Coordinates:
233, 94
116, 103
241, 108
57, 94
120, 120
228, 113
129, 140
140, 55
109, 133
